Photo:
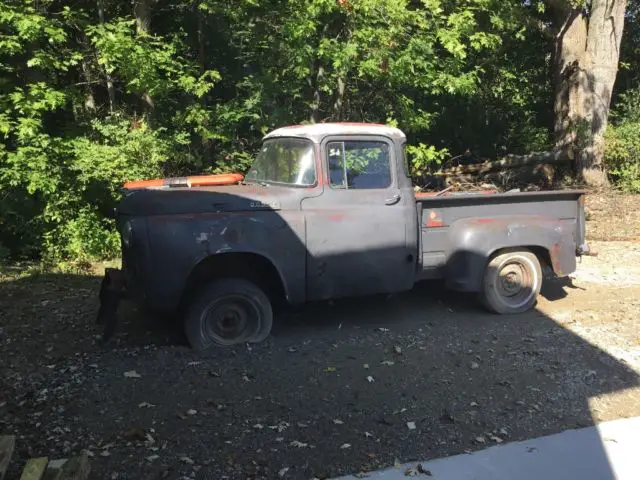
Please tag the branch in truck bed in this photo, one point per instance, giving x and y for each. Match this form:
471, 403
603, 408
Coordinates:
510, 161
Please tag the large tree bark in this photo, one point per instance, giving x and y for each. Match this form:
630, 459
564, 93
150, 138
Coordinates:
587, 48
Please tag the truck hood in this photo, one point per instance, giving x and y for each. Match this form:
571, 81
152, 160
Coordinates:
175, 201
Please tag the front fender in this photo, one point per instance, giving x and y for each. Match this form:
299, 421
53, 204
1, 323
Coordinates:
179, 243
474, 241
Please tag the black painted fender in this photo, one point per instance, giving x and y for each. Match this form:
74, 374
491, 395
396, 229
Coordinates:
179, 243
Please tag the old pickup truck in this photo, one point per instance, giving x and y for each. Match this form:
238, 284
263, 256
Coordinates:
326, 211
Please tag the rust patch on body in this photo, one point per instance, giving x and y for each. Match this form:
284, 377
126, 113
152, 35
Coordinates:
434, 219
554, 254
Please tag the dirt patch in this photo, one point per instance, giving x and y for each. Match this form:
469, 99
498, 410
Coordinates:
613, 217
617, 264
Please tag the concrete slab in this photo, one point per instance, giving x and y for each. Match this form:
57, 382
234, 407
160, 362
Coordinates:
608, 451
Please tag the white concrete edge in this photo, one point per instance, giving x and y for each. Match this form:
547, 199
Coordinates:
610, 450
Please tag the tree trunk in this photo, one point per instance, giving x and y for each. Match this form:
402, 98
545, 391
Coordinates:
316, 83
603, 51
142, 13
111, 91
202, 64
338, 105
89, 99
569, 77
202, 59
586, 63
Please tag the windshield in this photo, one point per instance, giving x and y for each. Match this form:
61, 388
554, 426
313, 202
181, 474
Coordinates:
284, 160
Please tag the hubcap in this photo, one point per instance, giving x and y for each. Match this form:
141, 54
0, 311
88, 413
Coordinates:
514, 284
229, 319
511, 277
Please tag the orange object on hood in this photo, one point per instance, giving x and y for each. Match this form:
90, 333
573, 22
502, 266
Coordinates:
192, 181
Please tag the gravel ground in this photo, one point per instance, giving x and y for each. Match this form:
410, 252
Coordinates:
338, 389
613, 217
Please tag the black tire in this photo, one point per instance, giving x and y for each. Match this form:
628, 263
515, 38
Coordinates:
227, 312
512, 282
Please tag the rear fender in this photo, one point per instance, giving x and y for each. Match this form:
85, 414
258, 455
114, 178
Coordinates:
474, 241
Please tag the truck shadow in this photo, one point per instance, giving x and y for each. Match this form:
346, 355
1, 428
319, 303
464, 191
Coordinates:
429, 356
557, 288
464, 374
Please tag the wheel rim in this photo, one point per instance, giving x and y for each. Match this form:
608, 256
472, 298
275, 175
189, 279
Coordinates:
515, 283
230, 319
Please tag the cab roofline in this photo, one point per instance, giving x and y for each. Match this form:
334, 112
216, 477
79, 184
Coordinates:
317, 131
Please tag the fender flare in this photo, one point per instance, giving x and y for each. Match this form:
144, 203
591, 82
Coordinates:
289, 293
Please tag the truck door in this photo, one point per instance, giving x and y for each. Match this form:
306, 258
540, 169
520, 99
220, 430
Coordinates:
357, 229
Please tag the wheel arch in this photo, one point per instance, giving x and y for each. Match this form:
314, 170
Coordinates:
473, 243
466, 268
540, 251
252, 266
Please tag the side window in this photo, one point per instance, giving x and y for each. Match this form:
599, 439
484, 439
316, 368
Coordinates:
359, 164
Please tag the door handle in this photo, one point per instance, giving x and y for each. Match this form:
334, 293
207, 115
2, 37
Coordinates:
393, 200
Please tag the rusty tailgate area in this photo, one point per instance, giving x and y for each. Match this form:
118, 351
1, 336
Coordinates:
459, 233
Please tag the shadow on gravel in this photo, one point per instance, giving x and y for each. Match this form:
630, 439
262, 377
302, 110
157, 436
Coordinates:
58, 312
557, 288
333, 391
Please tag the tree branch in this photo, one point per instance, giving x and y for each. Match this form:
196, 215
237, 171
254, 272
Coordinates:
510, 161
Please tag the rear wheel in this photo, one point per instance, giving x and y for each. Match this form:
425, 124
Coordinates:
227, 312
512, 282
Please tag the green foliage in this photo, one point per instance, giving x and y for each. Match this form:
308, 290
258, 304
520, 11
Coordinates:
112, 152
623, 143
84, 236
622, 154
421, 157
66, 148
627, 109
146, 63
95, 93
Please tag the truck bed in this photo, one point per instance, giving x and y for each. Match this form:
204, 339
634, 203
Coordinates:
499, 213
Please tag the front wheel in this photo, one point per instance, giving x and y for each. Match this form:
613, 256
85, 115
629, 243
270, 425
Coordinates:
227, 312
512, 282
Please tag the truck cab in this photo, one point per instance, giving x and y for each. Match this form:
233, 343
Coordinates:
358, 205
327, 211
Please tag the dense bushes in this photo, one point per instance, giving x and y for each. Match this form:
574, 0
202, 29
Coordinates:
623, 143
